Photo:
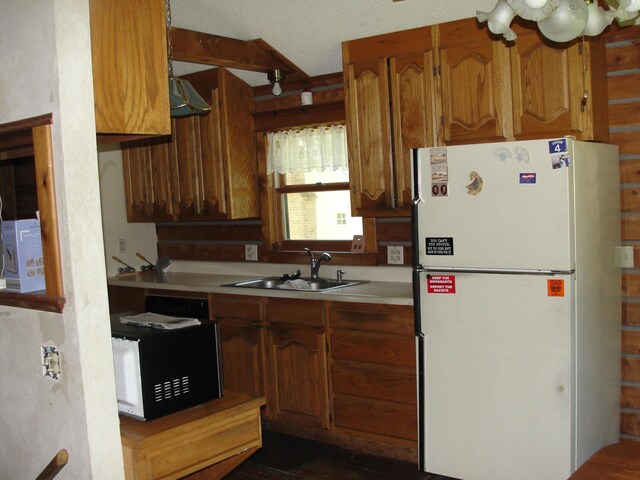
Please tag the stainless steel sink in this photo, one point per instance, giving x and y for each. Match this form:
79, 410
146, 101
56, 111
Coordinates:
301, 284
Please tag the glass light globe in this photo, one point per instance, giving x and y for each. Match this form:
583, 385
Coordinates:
630, 5
567, 22
499, 19
535, 3
597, 21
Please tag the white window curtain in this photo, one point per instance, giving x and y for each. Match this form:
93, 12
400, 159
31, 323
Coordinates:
301, 151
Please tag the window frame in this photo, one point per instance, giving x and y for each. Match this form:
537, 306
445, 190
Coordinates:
278, 250
295, 245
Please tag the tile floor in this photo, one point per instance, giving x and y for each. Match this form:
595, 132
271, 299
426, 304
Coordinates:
291, 458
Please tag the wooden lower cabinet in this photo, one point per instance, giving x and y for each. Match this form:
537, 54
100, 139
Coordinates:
298, 363
243, 343
242, 352
338, 372
373, 373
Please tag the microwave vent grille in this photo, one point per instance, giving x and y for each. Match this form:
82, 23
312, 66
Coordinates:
178, 387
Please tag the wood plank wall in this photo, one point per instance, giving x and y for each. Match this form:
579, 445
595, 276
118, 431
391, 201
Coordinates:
623, 67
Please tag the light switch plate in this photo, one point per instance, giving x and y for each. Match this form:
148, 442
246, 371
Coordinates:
251, 253
395, 255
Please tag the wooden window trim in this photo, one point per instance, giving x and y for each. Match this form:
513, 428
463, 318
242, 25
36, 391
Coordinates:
36, 134
291, 251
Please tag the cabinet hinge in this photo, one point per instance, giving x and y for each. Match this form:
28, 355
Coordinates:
437, 70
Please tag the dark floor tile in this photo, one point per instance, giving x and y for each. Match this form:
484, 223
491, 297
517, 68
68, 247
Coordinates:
291, 458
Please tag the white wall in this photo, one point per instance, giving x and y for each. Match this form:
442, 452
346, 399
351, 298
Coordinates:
139, 237
46, 67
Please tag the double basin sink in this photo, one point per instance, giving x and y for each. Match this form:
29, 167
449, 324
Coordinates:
302, 284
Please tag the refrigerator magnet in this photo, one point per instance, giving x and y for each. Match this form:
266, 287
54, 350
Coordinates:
475, 187
441, 284
555, 287
527, 178
561, 160
439, 171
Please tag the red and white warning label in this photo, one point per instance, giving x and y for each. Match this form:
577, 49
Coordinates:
441, 284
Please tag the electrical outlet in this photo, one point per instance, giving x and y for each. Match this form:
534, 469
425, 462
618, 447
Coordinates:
122, 245
625, 256
50, 357
395, 255
251, 253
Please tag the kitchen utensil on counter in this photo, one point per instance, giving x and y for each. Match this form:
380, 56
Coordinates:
148, 267
164, 264
127, 268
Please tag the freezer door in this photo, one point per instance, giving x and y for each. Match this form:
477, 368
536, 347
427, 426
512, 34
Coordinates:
500, 205
497, 376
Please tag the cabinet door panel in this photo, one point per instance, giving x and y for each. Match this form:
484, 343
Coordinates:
298, 312
299, 376
475, 92
413, 113
547, 92
242, 358
213, 166
382, 349
369, 136
187, 167
146, 181
129, 51
374, 381
376, 416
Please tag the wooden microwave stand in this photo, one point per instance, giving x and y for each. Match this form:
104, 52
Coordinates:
204, 442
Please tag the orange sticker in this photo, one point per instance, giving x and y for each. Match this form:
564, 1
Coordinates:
555, 288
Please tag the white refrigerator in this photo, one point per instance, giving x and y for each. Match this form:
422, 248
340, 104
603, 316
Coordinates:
517, 304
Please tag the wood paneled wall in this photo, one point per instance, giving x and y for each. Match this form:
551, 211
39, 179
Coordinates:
623, 67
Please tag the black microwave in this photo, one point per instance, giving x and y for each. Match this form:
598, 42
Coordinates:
159, 372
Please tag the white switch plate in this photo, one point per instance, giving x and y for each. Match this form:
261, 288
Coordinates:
625, 256
395, 255
251, 253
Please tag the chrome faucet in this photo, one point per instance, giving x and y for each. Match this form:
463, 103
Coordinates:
315, 263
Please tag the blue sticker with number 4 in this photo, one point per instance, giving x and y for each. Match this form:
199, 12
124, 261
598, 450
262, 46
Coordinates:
558, 146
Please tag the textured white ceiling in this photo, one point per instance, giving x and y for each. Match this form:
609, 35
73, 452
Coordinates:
309, 32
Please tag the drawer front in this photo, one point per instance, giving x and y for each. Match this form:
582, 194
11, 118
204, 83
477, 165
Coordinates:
374, 348
396, 319
376, 416
373, 381
295, 312
237, 307
204, 447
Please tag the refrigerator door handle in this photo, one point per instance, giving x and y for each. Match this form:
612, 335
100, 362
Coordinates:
505, 271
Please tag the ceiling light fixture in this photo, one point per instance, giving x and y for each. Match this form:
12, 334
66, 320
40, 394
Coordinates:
558, 20
276, 77
183, 98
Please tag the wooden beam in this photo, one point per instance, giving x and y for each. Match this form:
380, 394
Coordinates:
208, 49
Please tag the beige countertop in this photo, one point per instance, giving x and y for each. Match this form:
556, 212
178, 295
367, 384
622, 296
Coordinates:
393, 293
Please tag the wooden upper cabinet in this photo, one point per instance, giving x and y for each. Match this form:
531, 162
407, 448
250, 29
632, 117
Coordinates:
208, 164
369, 135
217, 151
130, 73
558, 90
413, 104
146, 180
186, 167
389, 110
475, 86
